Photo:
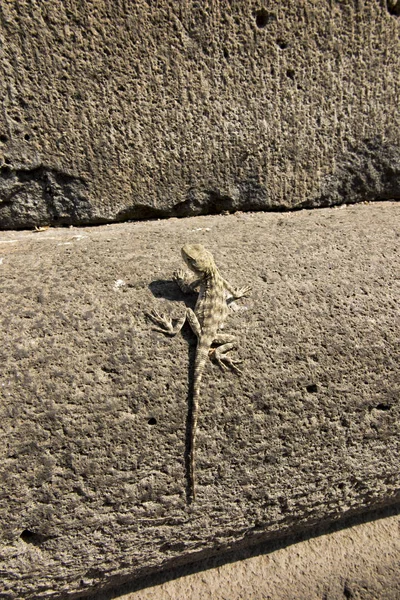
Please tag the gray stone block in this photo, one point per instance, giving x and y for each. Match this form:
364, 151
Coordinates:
146, 110
94, 403
359, 561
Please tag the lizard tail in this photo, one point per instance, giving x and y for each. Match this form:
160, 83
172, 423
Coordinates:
201, 358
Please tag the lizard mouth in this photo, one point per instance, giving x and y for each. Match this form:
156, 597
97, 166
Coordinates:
191, 263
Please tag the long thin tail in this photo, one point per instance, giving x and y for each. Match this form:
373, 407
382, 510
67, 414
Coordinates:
201, 358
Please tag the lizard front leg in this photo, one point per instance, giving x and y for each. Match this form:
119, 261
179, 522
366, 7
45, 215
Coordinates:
185, 281
237, 293
165, 324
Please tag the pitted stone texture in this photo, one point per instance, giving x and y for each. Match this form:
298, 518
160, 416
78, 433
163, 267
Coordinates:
94, 403
360, 562
153, 109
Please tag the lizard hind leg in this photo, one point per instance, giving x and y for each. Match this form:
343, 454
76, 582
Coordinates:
226, 343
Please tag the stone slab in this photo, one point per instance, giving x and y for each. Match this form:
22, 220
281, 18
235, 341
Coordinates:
360, 562
94, 403
135, 110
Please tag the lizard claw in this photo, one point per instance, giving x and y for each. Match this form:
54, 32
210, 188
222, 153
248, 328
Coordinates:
232, 364
224, 361
244, 291
179, 275
183, 280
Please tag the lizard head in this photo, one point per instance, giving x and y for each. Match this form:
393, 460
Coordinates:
198, 259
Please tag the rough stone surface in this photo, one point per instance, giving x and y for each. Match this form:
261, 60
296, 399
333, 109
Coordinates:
360, 562
94, 403
116, 111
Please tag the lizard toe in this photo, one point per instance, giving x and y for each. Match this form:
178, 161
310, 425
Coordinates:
179, 275
244, 291
164, 324
221, 364
226, 362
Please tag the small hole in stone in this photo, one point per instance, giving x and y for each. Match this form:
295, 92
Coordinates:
27, 535
282, 44
290, 73
312, 388
3, 138
27, 137
152, 421
30, 537
7, 161
383, 406
263, 18
347, 592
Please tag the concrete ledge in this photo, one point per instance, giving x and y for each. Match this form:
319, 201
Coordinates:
94, 403
360, 561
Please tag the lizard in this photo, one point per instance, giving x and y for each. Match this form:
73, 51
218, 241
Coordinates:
206, 321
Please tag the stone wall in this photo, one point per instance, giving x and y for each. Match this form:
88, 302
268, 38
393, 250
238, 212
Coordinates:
128, 110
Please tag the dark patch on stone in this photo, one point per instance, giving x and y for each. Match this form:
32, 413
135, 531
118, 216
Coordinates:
32, 537
282, 44
312, 388
42, 195
347, 591
366, 172
392, 6
201, 201
141, 212
383, 406
264, 18
94, 573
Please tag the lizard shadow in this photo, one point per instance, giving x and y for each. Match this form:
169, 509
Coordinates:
165, 288
168, 289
